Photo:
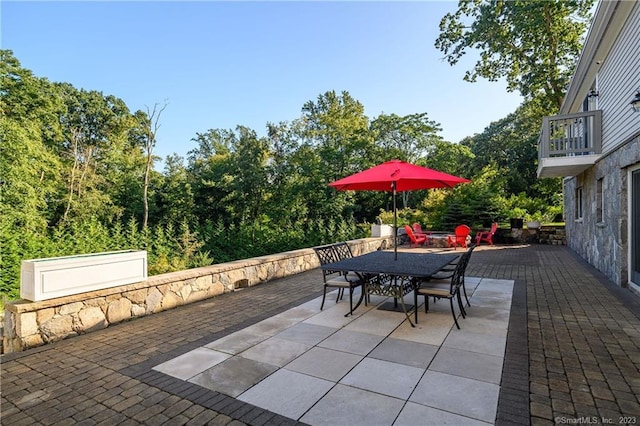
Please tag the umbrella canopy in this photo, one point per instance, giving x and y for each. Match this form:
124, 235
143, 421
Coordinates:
396, 176
406, 176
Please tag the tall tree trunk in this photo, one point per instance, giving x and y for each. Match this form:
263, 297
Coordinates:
75, 136
152, 127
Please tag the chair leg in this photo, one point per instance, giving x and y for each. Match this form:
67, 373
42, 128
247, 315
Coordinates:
453, 312
461, 306
415, 305
324, 295
464, 290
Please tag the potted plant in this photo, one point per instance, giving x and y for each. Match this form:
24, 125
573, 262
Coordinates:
536, 219
516, 215
533, 224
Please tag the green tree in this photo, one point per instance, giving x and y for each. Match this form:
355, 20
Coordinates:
406, 138
95, 126
247, 176
336, 142
452, 158
335, 125
511, 144
174, 197
207, 167
533, 44
284, 203
29, 169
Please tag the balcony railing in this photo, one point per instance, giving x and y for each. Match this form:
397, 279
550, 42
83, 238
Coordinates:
566, 140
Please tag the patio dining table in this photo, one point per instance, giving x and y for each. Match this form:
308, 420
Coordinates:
384, 275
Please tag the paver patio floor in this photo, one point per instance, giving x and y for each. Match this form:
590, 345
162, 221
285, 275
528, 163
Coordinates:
370, 368
572, 352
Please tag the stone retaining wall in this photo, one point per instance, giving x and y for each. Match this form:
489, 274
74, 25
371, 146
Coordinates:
552, 235
31, 324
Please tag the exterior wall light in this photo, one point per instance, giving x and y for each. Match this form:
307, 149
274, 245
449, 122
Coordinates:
593, 94
635, 103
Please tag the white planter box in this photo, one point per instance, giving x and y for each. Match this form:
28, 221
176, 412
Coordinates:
381, 230
42, 279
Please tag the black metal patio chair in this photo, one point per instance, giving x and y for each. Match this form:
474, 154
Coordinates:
335, 279
447, 271
442, 289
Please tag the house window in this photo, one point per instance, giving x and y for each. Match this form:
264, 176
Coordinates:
578, 201
599, 201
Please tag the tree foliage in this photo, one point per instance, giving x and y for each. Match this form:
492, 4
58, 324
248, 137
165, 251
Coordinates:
533, 44
78, 176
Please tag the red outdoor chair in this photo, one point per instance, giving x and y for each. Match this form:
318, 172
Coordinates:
417, 230
487, 236
460, 238
414, 238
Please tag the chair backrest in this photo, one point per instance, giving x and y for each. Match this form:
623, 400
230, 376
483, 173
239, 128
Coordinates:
462, 231
410, 233
342, 251
331, 253
457, 278
464, 259
494, 228
417, 228
326, 254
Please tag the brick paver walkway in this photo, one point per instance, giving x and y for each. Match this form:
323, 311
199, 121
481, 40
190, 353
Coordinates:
573, 353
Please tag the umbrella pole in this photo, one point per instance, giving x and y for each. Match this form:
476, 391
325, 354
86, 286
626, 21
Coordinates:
395, 223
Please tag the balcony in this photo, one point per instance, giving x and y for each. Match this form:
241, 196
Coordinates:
569, 144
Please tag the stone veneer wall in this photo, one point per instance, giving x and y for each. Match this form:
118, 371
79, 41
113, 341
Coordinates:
31, 324
552, 235
603, 244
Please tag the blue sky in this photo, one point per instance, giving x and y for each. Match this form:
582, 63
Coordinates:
223, 64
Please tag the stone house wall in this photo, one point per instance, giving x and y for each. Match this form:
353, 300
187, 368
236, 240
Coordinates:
31, 324
604, 244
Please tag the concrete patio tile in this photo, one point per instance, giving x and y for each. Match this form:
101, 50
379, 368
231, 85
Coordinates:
376, 301
309, 334
404, 352
288, 393
496, 285
481, 326
233, 376
432, 328
415, 414
333, 315
274, 351
472, 365
387, 378
300, 313
344, 405
191, 363
237, 342
476, 342
467, 397
343, 304
377, 322
472, 282
271, 326
502, 303
324, 363
489, 314
351, 341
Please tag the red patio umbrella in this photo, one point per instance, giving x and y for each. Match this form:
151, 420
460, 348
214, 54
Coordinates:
396, 176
